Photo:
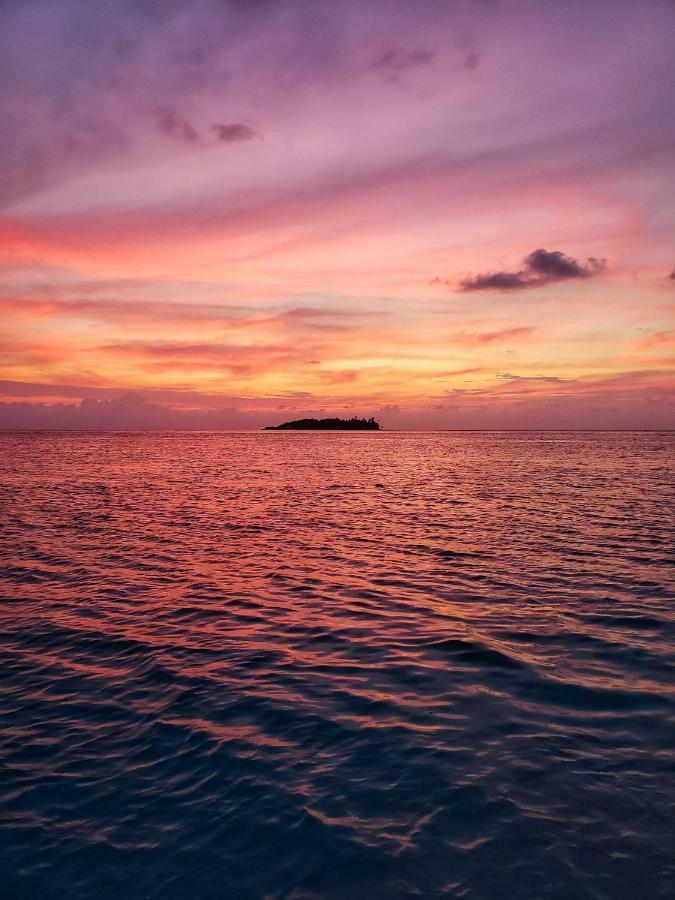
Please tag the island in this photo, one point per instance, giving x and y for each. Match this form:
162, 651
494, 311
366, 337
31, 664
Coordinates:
353, 424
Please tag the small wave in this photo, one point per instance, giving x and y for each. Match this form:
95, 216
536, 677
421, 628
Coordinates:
474, 653
231, 667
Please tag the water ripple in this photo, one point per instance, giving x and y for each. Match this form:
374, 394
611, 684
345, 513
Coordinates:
325, 666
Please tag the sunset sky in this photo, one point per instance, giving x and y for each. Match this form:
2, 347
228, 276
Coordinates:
442, 214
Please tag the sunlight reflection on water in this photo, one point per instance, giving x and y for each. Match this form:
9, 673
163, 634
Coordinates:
235, 666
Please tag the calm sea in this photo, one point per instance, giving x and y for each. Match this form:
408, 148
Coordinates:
287, 665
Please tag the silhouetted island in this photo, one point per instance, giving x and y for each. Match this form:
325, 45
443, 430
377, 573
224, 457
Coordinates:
326, 425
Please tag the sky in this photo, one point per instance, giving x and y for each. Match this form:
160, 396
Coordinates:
443, 214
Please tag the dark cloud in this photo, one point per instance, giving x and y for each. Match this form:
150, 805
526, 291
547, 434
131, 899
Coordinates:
672, 275
233, 132
498, 281
539, 268
553, 265
395, 62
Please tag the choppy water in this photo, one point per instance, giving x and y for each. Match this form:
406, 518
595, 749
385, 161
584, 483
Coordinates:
337, 665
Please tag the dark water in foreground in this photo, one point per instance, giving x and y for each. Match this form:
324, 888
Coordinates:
233, 666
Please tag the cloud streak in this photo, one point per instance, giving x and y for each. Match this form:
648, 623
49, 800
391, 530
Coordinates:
492, 337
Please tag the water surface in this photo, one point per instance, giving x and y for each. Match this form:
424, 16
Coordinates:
287, 665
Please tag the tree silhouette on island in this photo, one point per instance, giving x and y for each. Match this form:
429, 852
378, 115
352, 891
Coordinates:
353, 424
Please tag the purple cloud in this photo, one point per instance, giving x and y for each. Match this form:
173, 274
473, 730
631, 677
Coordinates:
234, 132
394, 63
174, 126
540, 267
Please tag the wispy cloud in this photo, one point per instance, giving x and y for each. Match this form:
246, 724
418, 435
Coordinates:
534, 379
457, 373
172, 125
658, 339
396, 62
490, 337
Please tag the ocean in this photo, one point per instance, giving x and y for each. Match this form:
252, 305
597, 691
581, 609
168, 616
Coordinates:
359, 665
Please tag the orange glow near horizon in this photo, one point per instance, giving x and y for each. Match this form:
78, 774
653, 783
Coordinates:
366, 247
